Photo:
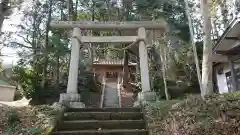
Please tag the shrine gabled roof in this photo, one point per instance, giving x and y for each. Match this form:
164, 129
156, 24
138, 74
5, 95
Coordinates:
111, 62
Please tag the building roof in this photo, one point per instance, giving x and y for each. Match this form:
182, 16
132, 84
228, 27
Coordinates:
111, 62
229, 36
4, 83
228, 43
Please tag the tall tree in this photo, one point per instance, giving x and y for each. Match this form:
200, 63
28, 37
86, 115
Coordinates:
47, 43
207, 86
193, 44
163, 54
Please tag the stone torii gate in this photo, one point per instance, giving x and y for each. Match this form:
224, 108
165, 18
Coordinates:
71, 97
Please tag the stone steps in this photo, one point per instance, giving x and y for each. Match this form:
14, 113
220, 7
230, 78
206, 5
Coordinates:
104, 132
102, 124
103, 116
102, 121
103, 110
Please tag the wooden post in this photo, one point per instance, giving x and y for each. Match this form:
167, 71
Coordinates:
143, 61
74, 61
233, 75
125, 69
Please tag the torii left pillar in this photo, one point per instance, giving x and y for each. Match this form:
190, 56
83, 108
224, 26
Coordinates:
72, 98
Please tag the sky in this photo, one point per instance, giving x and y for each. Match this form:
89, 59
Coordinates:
12, 56
8, 25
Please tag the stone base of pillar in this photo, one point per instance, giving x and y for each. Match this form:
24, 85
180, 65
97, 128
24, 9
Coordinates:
144, 98
71, 100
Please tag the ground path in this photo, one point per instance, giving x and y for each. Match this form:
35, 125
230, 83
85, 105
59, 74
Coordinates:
111, 95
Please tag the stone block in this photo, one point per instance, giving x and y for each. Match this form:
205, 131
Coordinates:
71, 100
70, 97
144, 98
147, 96
77, 105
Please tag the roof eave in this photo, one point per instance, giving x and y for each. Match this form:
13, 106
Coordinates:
225, 33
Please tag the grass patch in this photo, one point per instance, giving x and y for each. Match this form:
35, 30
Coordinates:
217, 115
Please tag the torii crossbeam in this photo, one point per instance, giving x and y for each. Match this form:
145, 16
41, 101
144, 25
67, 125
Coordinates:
103, 25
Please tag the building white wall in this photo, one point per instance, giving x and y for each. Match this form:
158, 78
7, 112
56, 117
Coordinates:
221, 78
7, 93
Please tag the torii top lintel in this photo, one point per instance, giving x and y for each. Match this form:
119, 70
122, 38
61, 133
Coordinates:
109, 24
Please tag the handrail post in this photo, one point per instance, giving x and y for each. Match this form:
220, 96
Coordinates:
103, 91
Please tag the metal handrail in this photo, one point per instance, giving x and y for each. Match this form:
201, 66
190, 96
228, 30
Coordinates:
103, 92
119, 91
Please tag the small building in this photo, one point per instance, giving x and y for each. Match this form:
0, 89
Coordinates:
226, 58
7, 91
110, 73
112, 69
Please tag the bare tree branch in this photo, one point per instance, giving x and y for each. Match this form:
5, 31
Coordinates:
22, 45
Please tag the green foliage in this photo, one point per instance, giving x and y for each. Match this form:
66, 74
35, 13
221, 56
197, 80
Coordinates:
30, 83
13, 118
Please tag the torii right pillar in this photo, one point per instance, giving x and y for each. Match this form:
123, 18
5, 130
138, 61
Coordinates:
146, 95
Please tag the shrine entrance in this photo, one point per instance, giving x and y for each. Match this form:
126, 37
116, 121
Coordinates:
112, 75
142, 33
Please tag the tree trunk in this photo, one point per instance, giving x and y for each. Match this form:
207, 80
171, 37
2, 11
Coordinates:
57, 73
46, 45
163, 57
207, 86
34, 45
2, 12
164, 73
71, 15
1, 22
76, 10
193, 44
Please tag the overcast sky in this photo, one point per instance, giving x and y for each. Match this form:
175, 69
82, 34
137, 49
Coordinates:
12, 56
9, 25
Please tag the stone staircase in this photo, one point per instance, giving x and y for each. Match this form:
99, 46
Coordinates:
102, 121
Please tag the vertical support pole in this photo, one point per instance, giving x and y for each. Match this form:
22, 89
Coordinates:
119, 90
125, 69
74, 61
143, 61
233, 75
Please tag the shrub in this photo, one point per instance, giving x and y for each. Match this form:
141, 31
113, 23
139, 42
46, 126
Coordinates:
12, 117
30, 82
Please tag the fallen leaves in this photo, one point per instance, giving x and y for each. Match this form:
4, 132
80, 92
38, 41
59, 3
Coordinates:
33, 119
217, 115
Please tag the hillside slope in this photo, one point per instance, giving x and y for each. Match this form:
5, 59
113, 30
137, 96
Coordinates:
217, 115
